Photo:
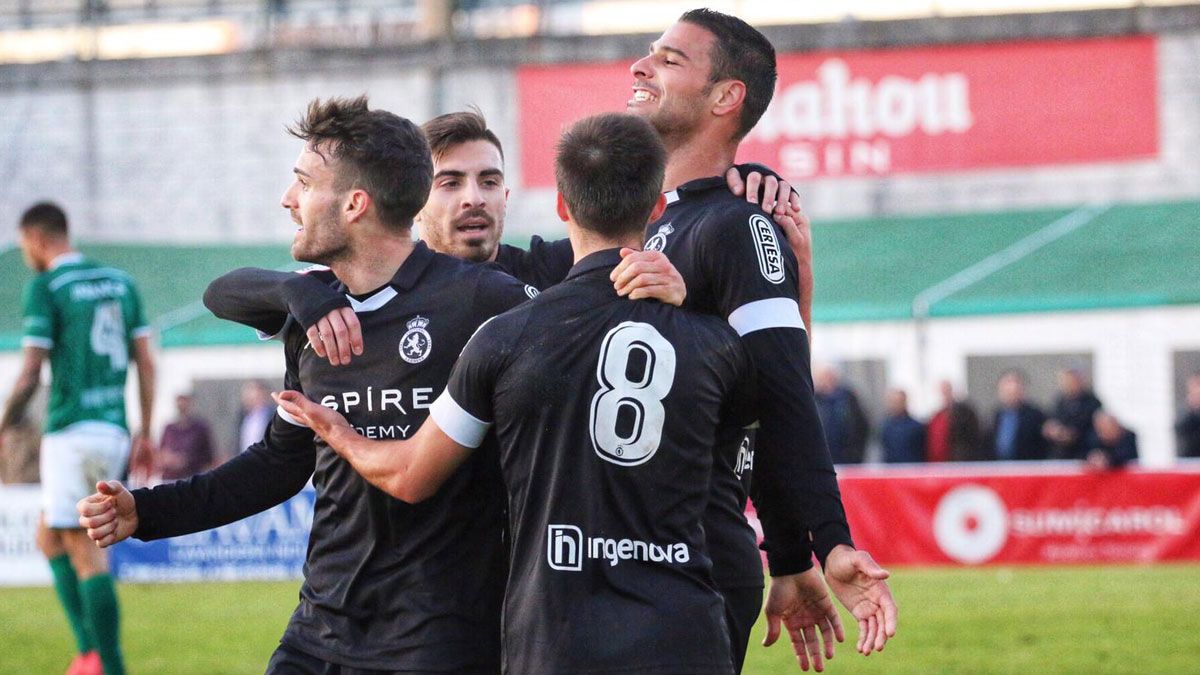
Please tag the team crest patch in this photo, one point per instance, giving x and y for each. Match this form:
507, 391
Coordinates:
416, 343
766, 245
659, 241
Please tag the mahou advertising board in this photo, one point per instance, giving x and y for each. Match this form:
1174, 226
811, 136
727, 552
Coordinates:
898, 111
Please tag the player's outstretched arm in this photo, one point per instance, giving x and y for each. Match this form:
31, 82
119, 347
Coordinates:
109, 514
648, 275
801, 603
860, 585
410, 470
263, 299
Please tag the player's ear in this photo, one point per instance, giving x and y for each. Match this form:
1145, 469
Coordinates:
659, 207
560, 205
727, 97
357, 203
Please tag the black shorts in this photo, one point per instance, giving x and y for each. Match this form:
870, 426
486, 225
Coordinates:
289, 661
742, 607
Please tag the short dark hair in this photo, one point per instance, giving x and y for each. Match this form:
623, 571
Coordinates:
740, 53
46, 217
385, 154
452, 129
609, 169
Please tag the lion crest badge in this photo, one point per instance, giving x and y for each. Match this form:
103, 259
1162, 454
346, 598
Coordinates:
659, 241
416, 343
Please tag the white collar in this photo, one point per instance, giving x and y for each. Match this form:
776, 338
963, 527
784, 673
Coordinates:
65, 259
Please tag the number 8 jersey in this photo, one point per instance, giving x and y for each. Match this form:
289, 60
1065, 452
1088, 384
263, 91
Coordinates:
86, 316
607, 411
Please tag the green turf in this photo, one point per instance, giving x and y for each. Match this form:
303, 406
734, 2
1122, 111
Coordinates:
1022, 620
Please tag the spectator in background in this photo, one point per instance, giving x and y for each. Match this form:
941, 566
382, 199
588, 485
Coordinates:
1071, 425
902, 437
186, 448
1110, 445
846, 426
953, 433
257, 411
1017, 427
1188, 426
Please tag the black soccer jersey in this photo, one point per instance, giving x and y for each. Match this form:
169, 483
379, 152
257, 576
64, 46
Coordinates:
544, 264
737, 266
389, 585
606, 412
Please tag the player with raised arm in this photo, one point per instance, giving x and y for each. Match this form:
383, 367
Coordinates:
88, 320
705, 83
606, 411
388, 586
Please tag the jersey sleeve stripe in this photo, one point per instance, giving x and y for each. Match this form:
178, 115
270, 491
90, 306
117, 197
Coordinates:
142, 331
283, 415
764, 314
461, 426
34, 341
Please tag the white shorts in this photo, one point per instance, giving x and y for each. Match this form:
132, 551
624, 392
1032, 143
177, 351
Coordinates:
73, 460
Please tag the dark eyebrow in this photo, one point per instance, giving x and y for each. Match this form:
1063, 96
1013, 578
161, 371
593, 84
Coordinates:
492, 172
298, 172
654, 46
449, 173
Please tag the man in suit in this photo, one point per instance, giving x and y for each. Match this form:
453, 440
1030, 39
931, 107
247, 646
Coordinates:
1017, 427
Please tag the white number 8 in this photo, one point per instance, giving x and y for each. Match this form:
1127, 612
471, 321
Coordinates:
635, 398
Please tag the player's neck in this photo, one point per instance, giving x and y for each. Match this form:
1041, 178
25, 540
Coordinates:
701, 156
371, 266
53, 251
585, 242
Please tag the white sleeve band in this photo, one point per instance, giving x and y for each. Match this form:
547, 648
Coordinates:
142, 331
461, 426
763, 314
283, 414
34, 341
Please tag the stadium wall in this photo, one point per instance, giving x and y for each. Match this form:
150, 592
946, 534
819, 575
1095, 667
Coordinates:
1130, 352
192, 149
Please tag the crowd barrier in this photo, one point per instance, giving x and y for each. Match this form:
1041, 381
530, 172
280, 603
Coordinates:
969, 514
267, 546
1023, 513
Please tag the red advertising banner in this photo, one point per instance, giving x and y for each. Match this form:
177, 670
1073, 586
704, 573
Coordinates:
1063, 515
912, 110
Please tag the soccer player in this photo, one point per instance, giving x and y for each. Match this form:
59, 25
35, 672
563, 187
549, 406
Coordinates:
705, 83
607, 411
464, 217
388, 586
88, 320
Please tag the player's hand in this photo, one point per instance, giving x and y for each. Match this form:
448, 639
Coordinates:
109, 514
801, 603
859, 584
798, 230
648, 274
336, 336
777, 196
323, 421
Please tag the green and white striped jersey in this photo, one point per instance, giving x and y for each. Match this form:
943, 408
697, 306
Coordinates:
87, 316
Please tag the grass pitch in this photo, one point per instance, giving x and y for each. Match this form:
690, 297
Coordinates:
1007, 620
